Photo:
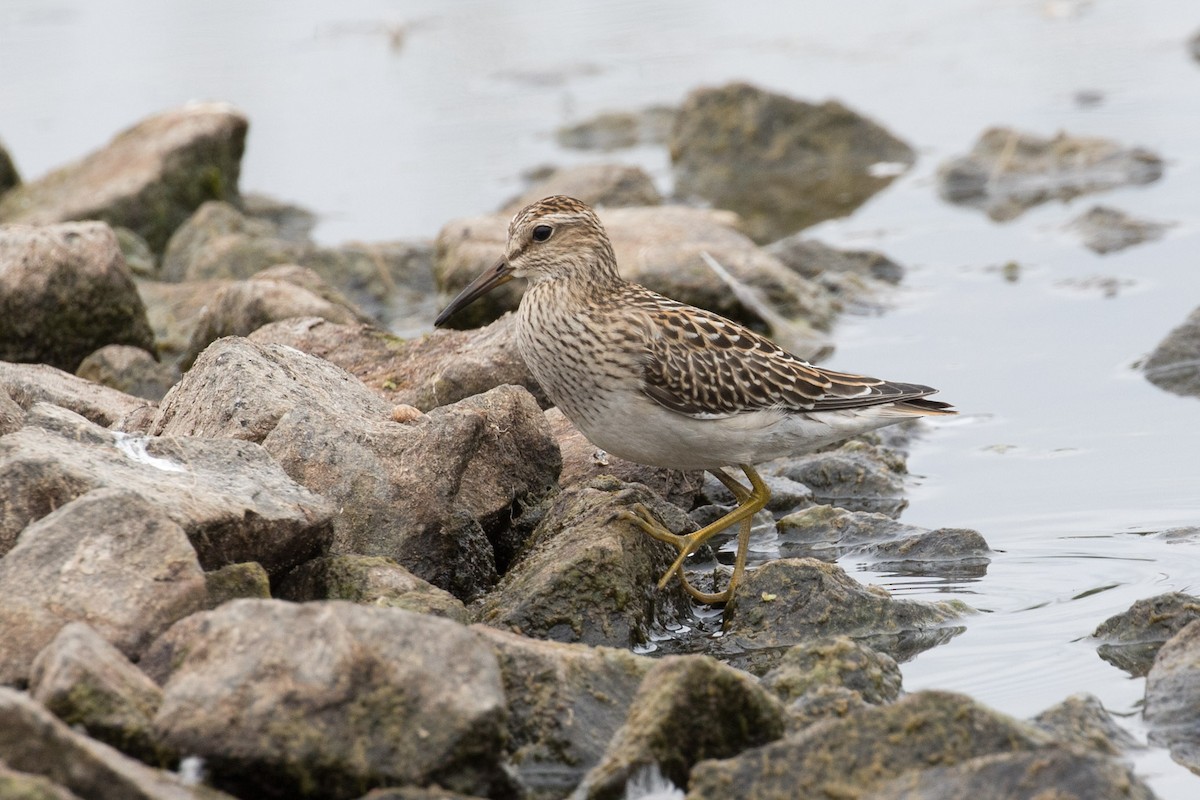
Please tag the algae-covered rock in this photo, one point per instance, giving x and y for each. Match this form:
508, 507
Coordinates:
1172, 705
1082, 720
1130, 640
369, 580
837, 661
234, 581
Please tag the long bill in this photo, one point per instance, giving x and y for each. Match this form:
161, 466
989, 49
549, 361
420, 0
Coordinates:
499, 273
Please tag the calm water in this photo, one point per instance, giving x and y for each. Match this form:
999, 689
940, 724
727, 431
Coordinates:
390, 118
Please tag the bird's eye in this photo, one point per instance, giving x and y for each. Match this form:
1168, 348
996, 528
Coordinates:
542, 232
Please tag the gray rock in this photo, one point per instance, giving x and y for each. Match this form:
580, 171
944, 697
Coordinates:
436, 369
9, 177
1131, 639
236, 581
599, 185
331, 699
782, 164
130, 370
859, 279
12, 416
585, 576
835, 662
617, 130
661, 247
34, 741
1175, 363
1107, 230
565, 703
110, 558
1008, 172
149, 178
64, 292
689, 708
137, 253
290, 221
1082, 720
856, 476
231, 498
23, 786
790, 601
173, 310
1172, 702
83, 680
427, 491
27, 384
369, 580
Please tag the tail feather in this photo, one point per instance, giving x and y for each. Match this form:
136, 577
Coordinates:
926, 407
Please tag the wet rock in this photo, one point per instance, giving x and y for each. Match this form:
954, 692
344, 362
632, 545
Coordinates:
27, 384
1175, 363
1082, 720
1132, 638
660, 247
854, 756
284, 292
437, 369
1172, 705
587, 576
833, 662
790, 601
64, 292
598, 185
109, 558
782, 164
231, 498
23, 786
1106, 230
235, 581
855, 476
617, 130
565, 703
139, 258
34, 741
1008, 172
85, 681
149, 178
428, 492
9, 177
689, 708
1050, 772
369, 580
331, 700
130, 370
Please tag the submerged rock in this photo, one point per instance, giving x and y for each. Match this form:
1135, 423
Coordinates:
616, 130
1008, 172
1172, 705
1131, 639
598, 185
1107, 230
149, 178
782, 164
1175, 363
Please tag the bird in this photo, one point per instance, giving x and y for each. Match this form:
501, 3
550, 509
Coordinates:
662, 383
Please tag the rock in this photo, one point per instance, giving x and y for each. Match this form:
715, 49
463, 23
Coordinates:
1082, 720
23, 786
289, 221
109, 558
1173, 697
139, 258
1175, 363
12, 416
331, 699
28, 384
565, 703
32, 740
414, 793
369, 580
586, 576
83, 680
148, 178
1106, 230
428, 493
851, 757
1050, 772
661, 247
173, 310
617, 130
583, 462
1132, 638
814, 260
437, 369
1194, 45
231, 498
782, 164
689, 708
130, 370
855, 476
1008, 172
835, 662
9, 177
235, 581
64, 292
822, 703
284, 292
599, 185
790, 601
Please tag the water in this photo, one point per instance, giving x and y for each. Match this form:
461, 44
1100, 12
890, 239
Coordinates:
391, 118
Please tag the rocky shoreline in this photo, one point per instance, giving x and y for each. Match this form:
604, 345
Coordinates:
254, 543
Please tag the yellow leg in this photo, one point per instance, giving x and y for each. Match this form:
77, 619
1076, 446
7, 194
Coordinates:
750, 502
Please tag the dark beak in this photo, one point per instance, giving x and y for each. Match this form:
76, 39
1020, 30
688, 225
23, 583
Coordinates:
490, 279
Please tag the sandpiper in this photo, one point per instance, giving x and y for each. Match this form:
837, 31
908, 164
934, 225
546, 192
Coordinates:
662, 383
